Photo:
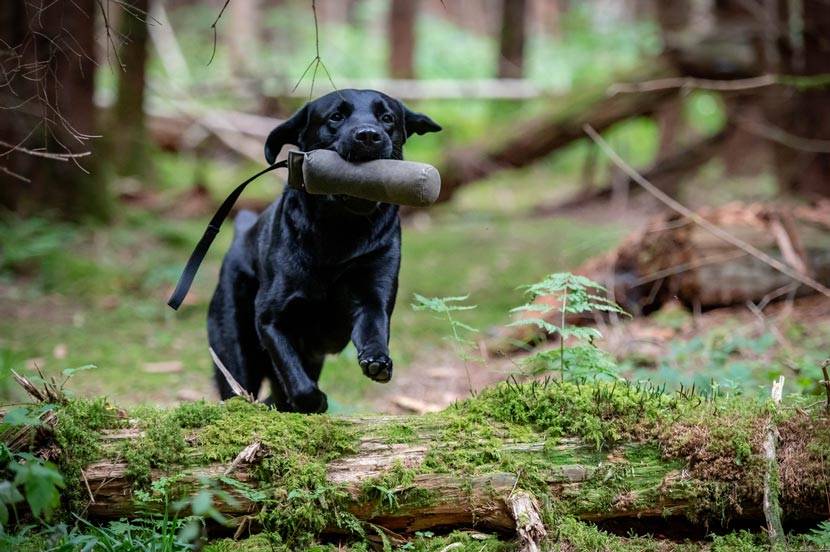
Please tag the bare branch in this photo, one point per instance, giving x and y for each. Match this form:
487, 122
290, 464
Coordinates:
41, 153
734, 85
781, 136
215, 34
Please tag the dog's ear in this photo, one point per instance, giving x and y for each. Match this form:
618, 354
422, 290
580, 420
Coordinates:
418, 123
287, 133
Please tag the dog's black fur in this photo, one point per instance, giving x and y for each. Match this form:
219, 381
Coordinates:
312, 272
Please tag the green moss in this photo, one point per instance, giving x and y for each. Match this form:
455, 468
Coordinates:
77, 434
299, 502
399, 433
161, 446
196, 414
601, 413
393, 489
740, 541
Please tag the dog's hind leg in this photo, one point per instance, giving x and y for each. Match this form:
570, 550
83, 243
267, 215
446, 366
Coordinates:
288, 372
231, 330
233, 338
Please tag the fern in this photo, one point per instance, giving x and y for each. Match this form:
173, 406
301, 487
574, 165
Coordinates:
820, 536
573, 294
444, 307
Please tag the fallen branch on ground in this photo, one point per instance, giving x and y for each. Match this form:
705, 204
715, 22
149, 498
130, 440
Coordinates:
525, 142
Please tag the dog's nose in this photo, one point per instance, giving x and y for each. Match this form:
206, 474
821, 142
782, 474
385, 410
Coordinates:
367, 136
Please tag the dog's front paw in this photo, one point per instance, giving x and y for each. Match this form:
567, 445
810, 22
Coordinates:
377, 367
310, 402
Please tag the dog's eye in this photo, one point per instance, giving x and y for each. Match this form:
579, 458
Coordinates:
336, 117
387, 118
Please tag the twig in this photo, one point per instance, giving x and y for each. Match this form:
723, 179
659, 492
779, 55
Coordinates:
317, 62
824, 370
235, 386
781, 136
691, 82
215, 34
29, 387
39, 153
88, 489
772, 512
702, 222
13, 174
246, 456
110, 40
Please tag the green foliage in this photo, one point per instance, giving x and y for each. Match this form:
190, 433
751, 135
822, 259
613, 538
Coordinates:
28, 477
573, 294
740, 541
26, 242
444, 307
820, 536
160, 534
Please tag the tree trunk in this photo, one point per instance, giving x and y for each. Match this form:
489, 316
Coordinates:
49, 102
465, 467
128, 129
803, 113
512, 39
401, 28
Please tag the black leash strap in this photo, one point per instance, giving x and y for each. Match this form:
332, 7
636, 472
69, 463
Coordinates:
201, 249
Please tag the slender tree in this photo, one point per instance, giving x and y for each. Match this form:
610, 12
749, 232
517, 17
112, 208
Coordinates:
802, 114
401, 29
128, 132
512, 39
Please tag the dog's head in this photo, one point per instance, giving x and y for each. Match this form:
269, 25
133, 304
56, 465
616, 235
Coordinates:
360, 125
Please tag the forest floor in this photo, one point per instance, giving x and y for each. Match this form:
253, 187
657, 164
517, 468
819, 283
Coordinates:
73, 297
98, 298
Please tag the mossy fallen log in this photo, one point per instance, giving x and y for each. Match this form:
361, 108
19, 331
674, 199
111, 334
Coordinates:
595, 452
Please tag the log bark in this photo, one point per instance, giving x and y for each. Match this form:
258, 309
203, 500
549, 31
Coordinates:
525, 142
660, 474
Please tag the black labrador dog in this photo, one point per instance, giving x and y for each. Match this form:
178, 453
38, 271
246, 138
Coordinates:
312, 271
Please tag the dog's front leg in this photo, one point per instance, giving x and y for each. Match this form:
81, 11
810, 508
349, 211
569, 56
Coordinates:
372, 309
302, 393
